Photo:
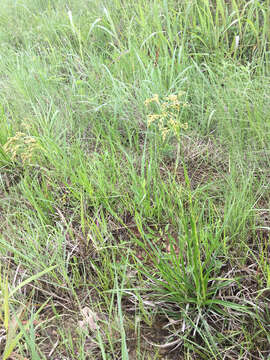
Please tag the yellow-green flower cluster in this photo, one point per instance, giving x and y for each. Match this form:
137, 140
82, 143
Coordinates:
168, 114
151, 100
21, 147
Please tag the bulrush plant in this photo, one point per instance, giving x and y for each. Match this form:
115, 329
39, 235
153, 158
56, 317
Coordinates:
21, 147
186, 281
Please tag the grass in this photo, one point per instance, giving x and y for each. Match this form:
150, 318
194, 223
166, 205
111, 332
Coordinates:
130, 231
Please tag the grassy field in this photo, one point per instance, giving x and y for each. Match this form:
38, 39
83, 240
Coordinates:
134, 179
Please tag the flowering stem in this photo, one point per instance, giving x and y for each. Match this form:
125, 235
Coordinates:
177, 157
